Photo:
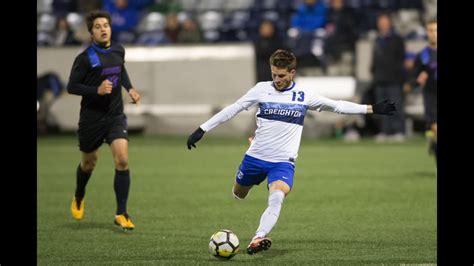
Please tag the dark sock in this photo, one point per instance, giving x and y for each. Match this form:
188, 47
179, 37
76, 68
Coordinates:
81, 181
121, 187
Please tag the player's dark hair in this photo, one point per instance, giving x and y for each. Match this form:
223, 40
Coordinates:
385, 13
283, 59
431, 21
96, 14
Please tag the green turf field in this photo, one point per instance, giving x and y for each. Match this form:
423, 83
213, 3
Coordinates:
359, 203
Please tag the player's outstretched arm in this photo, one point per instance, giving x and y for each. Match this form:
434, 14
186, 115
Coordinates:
195, 137
224, 115
383, 107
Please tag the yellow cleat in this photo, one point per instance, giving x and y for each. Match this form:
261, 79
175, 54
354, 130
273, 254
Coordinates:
429, 135
77, 209
124, 221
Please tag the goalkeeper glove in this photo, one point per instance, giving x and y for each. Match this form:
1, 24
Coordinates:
195, 137
384, 107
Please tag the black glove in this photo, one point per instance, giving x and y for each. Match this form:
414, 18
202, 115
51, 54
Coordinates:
195, 137
384, 107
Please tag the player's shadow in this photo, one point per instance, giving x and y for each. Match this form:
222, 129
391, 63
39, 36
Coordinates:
275, 252
79, 226
264, 255
259, 257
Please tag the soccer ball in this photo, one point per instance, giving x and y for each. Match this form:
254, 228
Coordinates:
224, 244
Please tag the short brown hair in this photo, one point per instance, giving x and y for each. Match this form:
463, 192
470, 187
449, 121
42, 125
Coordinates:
96, 14
431, 21
283, 59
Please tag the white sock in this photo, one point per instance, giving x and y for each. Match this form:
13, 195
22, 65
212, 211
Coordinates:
270, 215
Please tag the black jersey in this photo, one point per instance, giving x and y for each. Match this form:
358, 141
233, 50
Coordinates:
427, 60
90, 69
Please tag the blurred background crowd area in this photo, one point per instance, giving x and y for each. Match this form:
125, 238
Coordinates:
322, 29
319, 32
329, 38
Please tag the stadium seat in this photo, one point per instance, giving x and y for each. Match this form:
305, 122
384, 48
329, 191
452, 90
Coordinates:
151, 22
182, 16
234, 27
271, 15
407, 23
46, 22
211, 22
75, 21
239, 18
151, 31
267, 4
45, 29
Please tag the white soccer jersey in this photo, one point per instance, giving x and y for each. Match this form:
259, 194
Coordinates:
280, 118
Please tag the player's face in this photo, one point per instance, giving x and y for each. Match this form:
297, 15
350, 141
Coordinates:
101, 31
432, 32
384, 24
281, 77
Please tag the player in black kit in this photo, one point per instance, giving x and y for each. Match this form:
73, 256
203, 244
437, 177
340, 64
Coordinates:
426, 73
97, 75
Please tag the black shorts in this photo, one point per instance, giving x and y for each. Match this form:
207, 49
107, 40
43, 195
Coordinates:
430, 101
93, 135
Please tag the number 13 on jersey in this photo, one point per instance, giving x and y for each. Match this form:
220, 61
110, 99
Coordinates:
300, 96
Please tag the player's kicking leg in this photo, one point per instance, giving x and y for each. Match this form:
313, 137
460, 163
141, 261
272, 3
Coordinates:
83, 173
121, 182
260, 242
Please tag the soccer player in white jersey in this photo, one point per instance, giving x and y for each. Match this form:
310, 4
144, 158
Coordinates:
282, 106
